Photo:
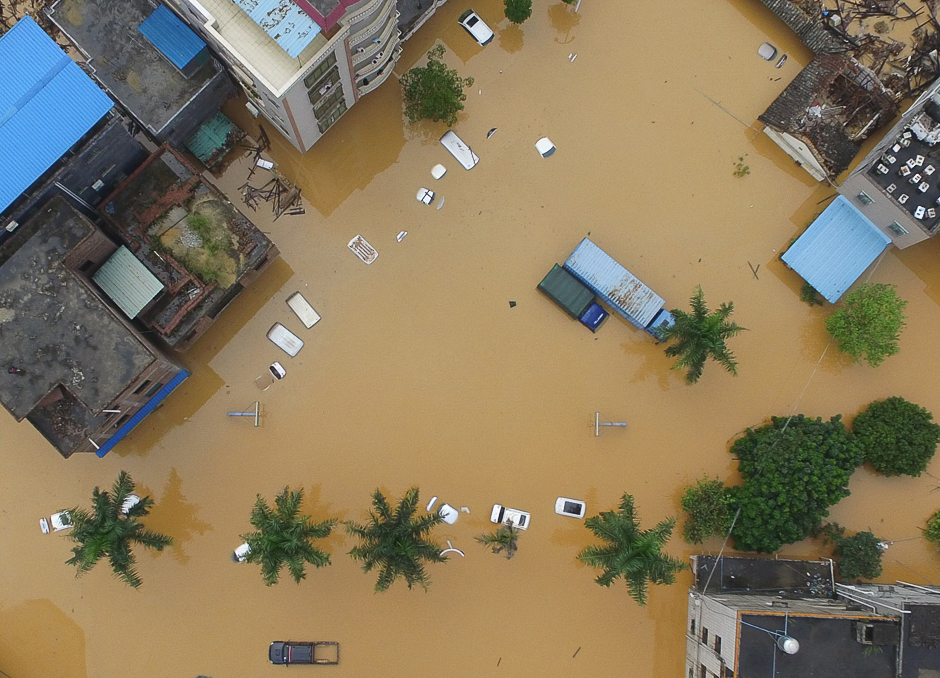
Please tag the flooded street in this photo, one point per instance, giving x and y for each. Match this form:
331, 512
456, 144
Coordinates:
421, 373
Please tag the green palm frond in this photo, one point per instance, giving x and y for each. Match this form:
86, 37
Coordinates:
396, 542
283, 537
701, 335
107, 532
630, 552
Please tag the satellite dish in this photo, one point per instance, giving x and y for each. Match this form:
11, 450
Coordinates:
788, 644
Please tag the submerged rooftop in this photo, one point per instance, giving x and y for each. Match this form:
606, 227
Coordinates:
53, 327
126, 63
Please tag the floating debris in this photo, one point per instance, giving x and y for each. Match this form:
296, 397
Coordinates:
491, 132
362, 249
512, 304
767, 51
545, 147
401, 235
438, 171
441, 203
781, 61
425, 195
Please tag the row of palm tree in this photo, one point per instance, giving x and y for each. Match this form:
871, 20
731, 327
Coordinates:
395, 541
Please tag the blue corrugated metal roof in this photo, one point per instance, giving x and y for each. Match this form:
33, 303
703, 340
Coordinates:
284, 21
46, 104
158, 398
836, 249
171, 36
625, 293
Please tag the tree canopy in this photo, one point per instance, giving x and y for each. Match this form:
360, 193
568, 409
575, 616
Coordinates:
504, 540
869, 324
518, 11
858, 556
709, 510
283, 537
897, 437
701, 335
793, 472
629, 552
396, 542
108, 531
932, 533
434, 92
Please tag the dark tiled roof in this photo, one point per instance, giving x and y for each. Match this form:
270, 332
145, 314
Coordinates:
809, 29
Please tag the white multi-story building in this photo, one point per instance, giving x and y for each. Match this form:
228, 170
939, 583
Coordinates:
302, 63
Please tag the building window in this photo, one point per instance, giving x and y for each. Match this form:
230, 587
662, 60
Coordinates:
864, 198
704, 636
897, 229
144, 384
87, 265
718, 644
328, 102
691, 672
692, 627
332, 117
702, 671
320, 70
324, 87
153, 389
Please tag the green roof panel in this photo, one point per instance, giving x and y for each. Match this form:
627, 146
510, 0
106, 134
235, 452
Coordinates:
566, 291
211, 140
127, 282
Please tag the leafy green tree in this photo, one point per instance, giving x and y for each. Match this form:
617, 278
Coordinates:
932, 533
869, 325
700, 335
709, 510
858, 556
283, 537
518, 11
793, 470
108, 531
505, 538
434, 92
897, 437
396, 542
629, 552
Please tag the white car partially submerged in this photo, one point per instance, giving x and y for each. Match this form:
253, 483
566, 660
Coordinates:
573, 508
476, 27
502, 515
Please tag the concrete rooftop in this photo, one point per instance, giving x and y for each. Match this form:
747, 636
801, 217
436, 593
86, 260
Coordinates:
125, 62
53, 327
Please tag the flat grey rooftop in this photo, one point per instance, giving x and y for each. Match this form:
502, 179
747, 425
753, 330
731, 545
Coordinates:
54, 328
808, 578
828, 649
124, 61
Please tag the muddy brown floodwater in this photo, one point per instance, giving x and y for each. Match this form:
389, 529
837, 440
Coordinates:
421, 373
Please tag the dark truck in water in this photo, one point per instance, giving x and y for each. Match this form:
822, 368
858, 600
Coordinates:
289, 652
573, 297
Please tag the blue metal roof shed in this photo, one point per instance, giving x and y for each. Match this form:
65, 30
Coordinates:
625, 293
46, 105
836, 249
174, 39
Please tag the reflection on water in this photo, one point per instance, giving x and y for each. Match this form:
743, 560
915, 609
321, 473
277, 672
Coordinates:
421, 373
510, 39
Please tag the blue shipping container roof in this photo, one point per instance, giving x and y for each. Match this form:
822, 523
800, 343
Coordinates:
836, 249
283, 20
175, 40
47, 103
625, 293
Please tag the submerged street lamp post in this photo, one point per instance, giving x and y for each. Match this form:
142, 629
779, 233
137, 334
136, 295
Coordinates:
256, 413
598, 423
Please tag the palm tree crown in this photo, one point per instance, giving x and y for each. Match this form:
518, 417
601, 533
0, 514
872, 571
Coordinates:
108, 531
505, 538
700, 335
396, 542
283, 537
629, 552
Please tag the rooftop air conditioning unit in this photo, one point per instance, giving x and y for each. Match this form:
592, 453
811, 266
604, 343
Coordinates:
98, 185
252, 109
12, 226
